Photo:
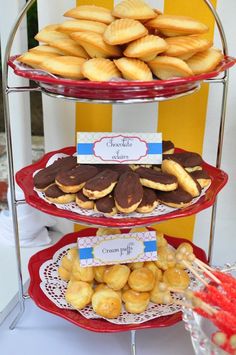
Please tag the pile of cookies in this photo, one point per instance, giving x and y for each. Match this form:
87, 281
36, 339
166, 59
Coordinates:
133, 41
135, 284
110, 189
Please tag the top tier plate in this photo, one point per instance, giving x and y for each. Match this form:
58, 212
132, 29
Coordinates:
116, 91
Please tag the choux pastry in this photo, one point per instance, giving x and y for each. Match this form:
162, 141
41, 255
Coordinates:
141, 280
106, 303
82, 273
78, 294
116, 276
135, 302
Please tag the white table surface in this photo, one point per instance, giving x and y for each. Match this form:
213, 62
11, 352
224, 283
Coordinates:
41, 333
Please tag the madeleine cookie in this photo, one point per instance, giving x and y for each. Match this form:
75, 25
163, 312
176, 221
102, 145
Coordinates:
204, 62
184, 47
55, 195
146, 48
185, 181
171, 25
133, 69
149, 201
45, 49
176, 199
165, 67
35, 60
46, 177
189, 160
95, 46
141, 280
135, 302
91, 12
124, 31
176, 278
83, 201
64, 66
70, 47
106, 303
100, 69
100, 185
50, 36
82, 26
106, 205
78, 294
168, 147
134, 9
52, 27
74, 180
128, 192
202, 177
157, 180
116, 276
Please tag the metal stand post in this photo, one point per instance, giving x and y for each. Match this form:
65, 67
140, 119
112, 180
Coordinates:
133, 342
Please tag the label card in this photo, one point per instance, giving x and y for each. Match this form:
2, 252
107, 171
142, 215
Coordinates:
117, 249
119, 148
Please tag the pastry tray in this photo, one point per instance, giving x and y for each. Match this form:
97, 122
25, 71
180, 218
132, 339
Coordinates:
24, 179
96, 325
117, 91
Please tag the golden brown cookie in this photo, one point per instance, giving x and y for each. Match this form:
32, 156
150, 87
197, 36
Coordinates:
81, 26
47, 36
171, 25
100, 69
184, 47
133, 69
91, 12
124, 31
128, 192
65, 66
45, 49
95, 46
70, 47
204, 62
134, 9
146, 48
35, 60
165, 67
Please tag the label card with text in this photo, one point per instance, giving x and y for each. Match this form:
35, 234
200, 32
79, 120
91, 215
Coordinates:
119, 148
117, 248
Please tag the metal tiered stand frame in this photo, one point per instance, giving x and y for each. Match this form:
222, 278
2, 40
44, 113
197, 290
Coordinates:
15, 202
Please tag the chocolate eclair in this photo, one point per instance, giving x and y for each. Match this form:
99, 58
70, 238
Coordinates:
106, 205
128, 192
149, 201
157, 179
202, 177
46, 176
177, 198
73, 180
55, 195
185, 180
100, 185
83, 201
168, 147
189, 160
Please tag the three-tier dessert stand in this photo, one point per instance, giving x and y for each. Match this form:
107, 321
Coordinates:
47, 88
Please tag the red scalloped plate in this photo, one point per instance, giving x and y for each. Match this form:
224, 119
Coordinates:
118, 90
24, 179
96, 325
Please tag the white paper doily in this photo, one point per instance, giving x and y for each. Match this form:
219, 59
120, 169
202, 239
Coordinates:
54, 288
73, 207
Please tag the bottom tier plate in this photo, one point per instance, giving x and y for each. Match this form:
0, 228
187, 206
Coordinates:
96, 325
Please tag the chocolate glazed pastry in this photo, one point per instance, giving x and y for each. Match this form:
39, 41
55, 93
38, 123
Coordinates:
106, 205
189, 160
46, 176
73, 180
128, 192
202, 177
167, 147
101, 185
185, 180
177, 199
149, 201
157, 179
55, 195
83, 201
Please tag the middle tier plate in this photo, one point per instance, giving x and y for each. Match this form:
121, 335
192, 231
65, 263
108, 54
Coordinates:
24, 179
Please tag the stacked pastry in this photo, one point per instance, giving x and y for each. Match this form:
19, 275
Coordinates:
134, 284
110, 189
134, 42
